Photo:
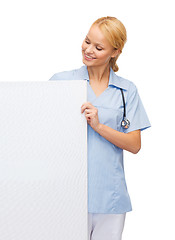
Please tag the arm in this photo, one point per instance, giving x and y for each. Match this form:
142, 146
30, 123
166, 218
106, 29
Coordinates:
128, 141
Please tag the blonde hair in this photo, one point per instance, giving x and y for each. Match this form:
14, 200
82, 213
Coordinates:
115, 33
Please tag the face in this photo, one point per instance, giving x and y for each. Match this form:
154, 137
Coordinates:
96, 50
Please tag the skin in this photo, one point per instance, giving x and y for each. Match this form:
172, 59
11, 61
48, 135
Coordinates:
96, 46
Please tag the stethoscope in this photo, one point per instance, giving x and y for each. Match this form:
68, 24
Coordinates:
125, 123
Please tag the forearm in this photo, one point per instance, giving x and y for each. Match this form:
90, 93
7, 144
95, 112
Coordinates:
126, 141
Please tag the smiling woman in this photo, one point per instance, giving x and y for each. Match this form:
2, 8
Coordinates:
105, 41
96, 49
108, 198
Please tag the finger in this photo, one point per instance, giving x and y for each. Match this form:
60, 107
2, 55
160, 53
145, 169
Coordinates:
89, 115
88, 110
88, 118
86, 106
85, 103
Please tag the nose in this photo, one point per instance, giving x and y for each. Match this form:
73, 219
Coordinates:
89, 49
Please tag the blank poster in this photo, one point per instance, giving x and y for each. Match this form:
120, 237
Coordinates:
43, 160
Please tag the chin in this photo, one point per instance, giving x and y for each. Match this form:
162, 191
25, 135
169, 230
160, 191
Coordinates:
87, 63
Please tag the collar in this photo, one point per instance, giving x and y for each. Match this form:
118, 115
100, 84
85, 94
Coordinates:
114, 79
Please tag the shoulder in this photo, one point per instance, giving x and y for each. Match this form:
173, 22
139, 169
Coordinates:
123, 83
66, 75
129, 88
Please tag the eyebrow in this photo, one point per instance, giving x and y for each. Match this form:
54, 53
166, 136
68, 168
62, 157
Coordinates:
96, 43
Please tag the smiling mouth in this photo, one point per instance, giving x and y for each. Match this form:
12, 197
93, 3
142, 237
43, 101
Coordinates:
88, 57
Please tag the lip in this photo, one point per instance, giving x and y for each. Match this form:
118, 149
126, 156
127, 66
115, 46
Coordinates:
88, 59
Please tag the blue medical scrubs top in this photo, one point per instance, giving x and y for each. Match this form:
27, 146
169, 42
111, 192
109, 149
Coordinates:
107, 189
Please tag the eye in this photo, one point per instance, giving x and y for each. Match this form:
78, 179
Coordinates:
99, 49
86, 41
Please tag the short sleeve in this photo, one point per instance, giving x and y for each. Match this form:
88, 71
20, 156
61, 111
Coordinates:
135, 111
54, 77
65, 75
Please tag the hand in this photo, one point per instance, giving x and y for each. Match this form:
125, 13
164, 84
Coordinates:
91, 114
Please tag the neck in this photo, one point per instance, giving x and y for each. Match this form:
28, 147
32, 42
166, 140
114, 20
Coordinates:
99, 73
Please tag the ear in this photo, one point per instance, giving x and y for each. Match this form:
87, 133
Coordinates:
115, 53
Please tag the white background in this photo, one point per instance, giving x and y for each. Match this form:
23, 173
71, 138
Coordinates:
39, 38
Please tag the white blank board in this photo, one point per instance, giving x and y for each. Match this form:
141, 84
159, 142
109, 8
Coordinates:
43, 160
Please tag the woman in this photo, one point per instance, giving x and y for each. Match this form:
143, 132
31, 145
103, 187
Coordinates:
108, 198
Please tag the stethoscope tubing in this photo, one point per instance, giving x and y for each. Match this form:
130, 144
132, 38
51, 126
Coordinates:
125, 122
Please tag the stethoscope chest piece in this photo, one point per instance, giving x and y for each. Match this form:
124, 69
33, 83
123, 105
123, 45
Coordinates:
125, 123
